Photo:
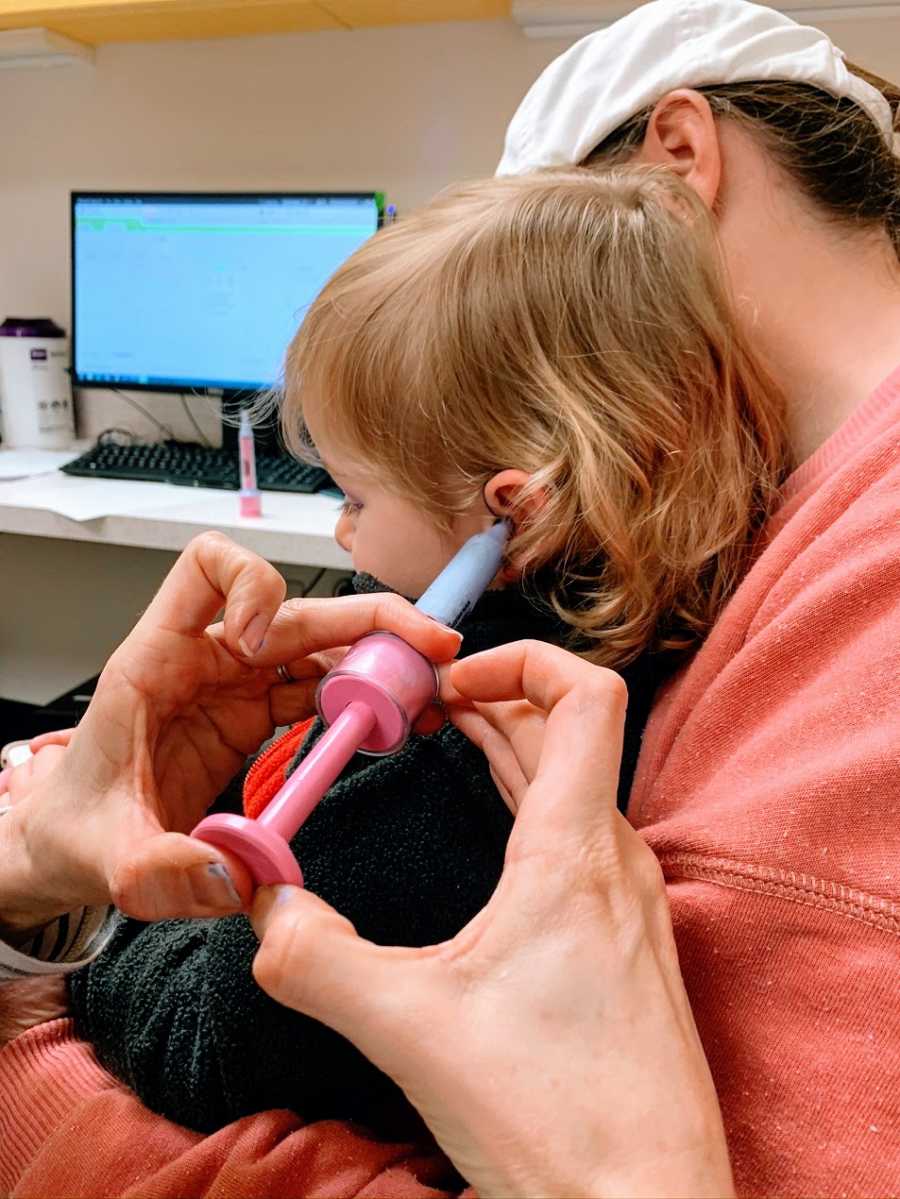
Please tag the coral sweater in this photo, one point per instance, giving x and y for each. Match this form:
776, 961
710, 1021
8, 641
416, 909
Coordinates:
769, 786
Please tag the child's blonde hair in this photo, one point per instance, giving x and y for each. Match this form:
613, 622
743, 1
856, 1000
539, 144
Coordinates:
577, 326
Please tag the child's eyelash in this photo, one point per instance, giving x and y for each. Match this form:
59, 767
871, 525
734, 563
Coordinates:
348, 507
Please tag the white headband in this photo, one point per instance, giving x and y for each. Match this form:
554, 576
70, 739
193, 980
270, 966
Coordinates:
610, 76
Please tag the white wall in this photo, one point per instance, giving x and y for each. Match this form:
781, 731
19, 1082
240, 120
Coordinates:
407, 109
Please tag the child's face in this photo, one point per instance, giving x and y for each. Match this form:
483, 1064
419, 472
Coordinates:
387, 536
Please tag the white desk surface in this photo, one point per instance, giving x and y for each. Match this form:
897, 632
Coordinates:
295, 529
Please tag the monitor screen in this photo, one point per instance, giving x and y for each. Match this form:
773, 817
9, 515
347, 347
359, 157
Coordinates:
191, 291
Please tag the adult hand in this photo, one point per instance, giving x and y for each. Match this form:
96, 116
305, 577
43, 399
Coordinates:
550, 1045
46, 752
510, 733
177, 709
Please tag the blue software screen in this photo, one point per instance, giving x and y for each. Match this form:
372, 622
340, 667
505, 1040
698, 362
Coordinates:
202, 291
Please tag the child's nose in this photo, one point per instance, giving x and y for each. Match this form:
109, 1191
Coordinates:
343, 532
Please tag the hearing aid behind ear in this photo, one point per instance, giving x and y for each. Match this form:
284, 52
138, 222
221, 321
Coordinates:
369, 703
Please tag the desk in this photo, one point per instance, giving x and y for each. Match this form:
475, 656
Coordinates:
72, 589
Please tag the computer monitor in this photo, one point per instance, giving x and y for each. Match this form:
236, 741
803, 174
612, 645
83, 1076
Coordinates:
201, 291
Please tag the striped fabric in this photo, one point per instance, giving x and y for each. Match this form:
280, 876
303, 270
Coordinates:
60, 947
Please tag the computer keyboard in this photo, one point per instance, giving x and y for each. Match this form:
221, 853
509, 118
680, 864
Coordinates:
193, 465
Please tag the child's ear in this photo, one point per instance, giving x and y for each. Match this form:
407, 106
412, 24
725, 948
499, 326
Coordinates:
506, 495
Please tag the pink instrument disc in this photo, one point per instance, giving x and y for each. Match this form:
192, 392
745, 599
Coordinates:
370, 702
264, 852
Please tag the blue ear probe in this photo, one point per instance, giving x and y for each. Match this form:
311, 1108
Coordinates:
459, 586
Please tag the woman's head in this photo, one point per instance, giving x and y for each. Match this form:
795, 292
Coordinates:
827, 124
789, 146
574, 328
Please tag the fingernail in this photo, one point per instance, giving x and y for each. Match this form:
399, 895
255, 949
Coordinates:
440, 624
284, 893
250, 641
215, 886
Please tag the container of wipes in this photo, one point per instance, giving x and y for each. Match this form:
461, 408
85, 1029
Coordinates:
36, 409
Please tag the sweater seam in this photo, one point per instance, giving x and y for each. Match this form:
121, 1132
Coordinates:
790, 885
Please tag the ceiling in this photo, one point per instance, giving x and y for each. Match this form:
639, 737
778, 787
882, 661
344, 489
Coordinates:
96, 22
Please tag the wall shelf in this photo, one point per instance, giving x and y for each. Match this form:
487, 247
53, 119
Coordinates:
96, 22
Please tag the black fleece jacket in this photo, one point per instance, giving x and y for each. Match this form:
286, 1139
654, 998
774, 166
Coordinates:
408, 847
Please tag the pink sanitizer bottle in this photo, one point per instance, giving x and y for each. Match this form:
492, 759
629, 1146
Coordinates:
370, 703
249, 502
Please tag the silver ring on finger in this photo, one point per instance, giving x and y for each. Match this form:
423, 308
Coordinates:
284, 674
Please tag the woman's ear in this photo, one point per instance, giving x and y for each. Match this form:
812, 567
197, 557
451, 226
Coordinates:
682, 135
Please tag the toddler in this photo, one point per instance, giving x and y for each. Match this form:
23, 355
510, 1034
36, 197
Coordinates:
558, 349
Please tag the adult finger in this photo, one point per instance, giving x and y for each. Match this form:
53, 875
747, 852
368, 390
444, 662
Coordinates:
291, 702
511, 801
433, 718
531, 670
582, 747
57, 737
296, 700
496, 746
169, 875
23, 778
548, 678
211, 571
304, 627
278, 643
516, 720
311, 959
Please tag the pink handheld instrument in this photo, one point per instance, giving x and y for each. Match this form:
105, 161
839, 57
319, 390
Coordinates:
369, 703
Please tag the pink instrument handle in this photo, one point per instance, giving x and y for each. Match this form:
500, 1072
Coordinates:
299, 796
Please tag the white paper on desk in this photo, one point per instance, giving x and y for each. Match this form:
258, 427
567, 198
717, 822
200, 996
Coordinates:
22, 464
89, 499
